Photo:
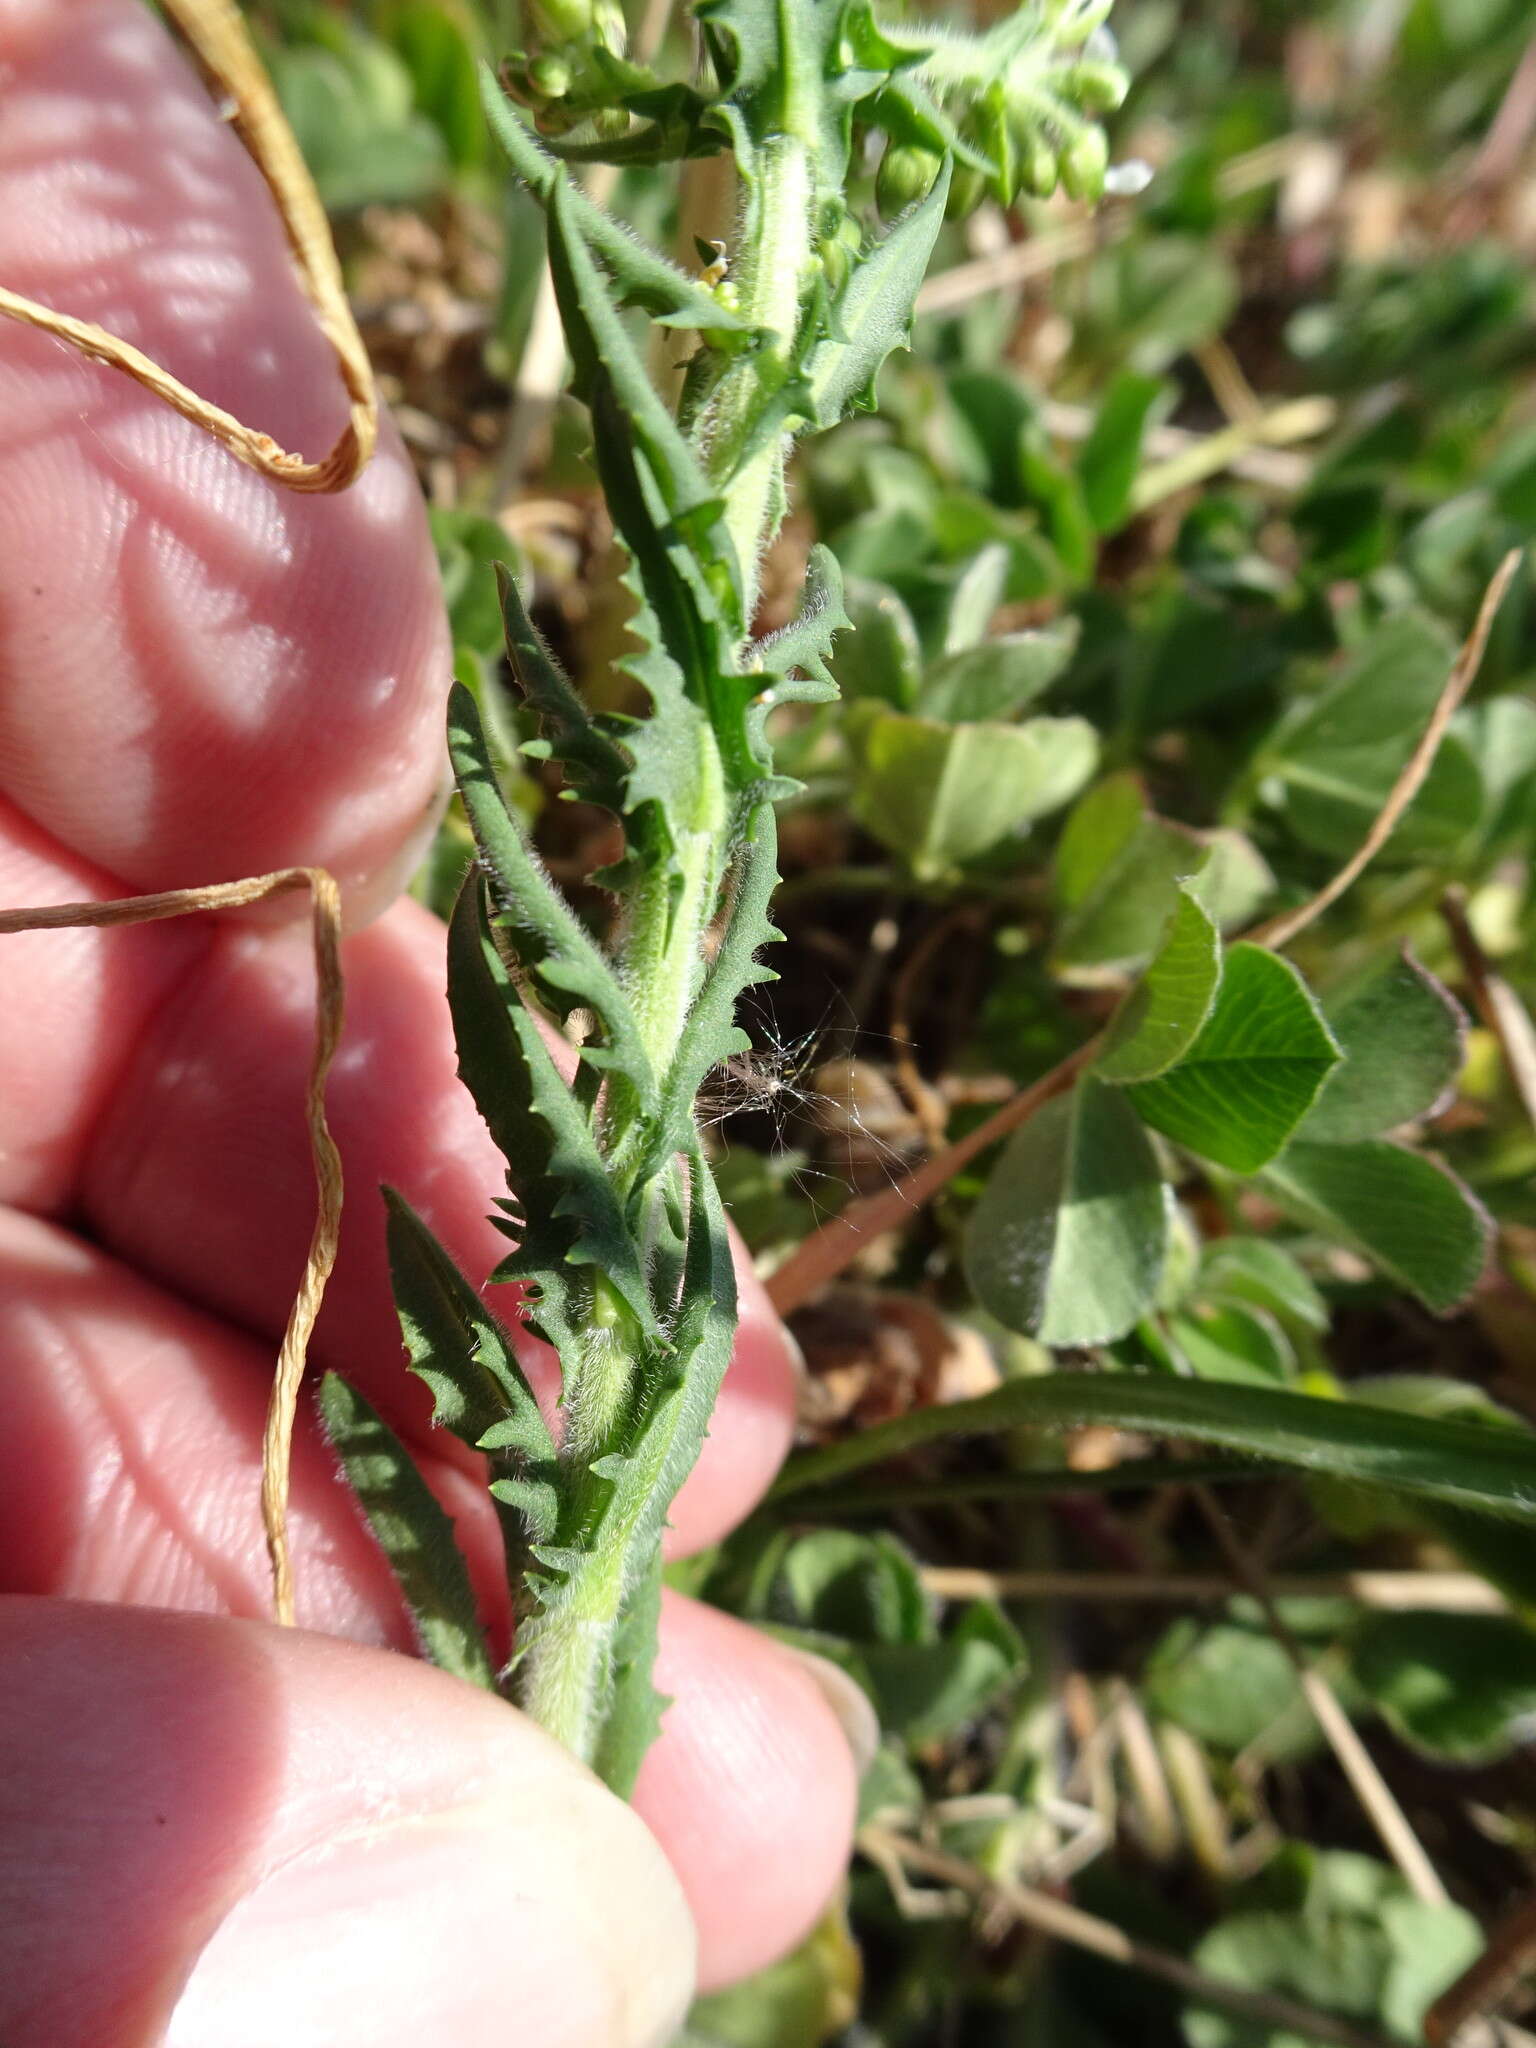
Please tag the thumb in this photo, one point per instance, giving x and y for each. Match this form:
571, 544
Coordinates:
221, 1835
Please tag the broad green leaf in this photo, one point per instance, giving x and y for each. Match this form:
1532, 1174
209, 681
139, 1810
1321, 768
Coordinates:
928, 1692
1233, 1341
444, 78
1466, 1463
1252, 1073
1108, 460
552, 944
1069, 1237
351, 109
1338, 758
998, 677
940, 795
1163, 1015
412, 1531
882, 657
973, 597
1402, 1037
1500, 735
1229, 1685
1117, 873
1253, 1269
1233, 880
456, 1347
1352, 1941
1406, 1214
864, 1588
1460, 1686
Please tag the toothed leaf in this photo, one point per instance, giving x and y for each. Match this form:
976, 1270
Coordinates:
569, 1212
594, 763
412, 1531
478, 1389
552, 945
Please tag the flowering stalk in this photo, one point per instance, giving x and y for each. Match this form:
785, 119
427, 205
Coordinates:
619, 1238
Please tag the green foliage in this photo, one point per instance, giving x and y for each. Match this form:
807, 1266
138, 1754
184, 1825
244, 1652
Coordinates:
1403, 1212
1464, 1464
411, 1529
1069, 1239
1164, 1015
1252, 1072
619, 1239
859, 1601
377, 124
1458, 1686
1344, 1935
1402, 1040
940, 795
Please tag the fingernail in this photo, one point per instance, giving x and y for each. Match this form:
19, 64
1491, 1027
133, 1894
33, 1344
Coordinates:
401, 1933
850, 1704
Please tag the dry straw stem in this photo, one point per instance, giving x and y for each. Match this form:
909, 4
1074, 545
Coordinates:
1279, 931
277, 1437
218, 39
831, 1249
1508, 1958
1445, 1592
1063, 1922
1497, 1004
1355, 1760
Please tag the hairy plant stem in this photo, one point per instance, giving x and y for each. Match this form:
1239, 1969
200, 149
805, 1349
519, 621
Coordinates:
567, 1659
777, 234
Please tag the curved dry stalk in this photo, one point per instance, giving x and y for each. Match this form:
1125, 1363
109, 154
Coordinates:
1370, 1788
1277, 932
1449, 1592
1060, 1921
218, 39
277, 1436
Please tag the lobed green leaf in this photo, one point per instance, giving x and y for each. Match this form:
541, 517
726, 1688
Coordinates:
412, 1531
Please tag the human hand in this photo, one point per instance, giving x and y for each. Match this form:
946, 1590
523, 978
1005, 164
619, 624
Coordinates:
215, 1827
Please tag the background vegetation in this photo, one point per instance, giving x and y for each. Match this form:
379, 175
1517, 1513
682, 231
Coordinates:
1160, 548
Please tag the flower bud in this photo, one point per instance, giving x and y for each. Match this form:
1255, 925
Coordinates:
1098, 88
561, 21
611, 29
550, 77
967, 189
906, 174
1038, 167
1083, 164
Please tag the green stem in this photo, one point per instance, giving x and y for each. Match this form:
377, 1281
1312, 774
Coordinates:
778, 251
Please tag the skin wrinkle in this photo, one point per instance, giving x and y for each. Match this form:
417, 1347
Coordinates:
225, 590
117, 1397
55, 1083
